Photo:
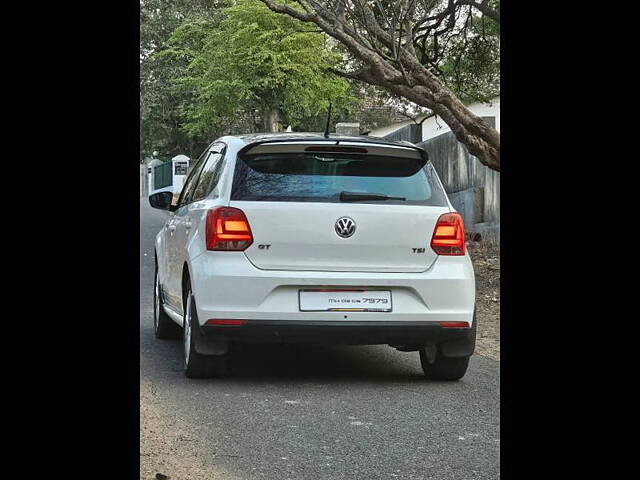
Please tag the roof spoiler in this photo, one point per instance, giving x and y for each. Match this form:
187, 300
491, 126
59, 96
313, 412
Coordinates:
337, 145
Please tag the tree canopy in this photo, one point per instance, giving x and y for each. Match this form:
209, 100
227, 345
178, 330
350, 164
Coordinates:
253, 63
233, 69
160, 108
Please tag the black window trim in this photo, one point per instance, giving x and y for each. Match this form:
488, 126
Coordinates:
218, 166
212, 149
196, 168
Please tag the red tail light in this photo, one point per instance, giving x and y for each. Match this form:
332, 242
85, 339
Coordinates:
227, 228
448, 236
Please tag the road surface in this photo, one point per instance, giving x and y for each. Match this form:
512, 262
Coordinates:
299, 412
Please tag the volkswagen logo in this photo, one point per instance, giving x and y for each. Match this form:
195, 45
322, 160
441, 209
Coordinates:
345, 227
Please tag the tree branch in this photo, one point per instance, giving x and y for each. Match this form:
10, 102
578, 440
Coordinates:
393, 65
279, 8
484, 8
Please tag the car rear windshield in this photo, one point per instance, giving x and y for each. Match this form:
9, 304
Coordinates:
334, 177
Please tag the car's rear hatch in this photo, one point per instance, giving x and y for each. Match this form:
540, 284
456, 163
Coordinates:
322, 209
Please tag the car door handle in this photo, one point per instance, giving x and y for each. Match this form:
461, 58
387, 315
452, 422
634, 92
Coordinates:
171, 227
188, 225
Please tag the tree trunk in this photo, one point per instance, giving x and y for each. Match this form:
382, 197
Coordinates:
272, 120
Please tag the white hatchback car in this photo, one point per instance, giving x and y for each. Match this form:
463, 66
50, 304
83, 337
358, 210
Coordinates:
304, 238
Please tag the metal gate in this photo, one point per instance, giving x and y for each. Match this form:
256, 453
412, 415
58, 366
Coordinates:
162, 176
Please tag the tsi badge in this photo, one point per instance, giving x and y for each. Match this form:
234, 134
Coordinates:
345, 227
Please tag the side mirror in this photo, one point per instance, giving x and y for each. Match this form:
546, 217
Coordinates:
161, 200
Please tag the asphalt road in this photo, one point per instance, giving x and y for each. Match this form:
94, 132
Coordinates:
293, 412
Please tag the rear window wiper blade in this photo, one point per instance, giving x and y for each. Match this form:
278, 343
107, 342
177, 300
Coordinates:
356, 196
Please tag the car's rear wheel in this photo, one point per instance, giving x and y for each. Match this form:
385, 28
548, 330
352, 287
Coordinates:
197, 365
443, 368
163, 327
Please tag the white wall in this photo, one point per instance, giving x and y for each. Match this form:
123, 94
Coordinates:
179, 178
434, 126
153, 163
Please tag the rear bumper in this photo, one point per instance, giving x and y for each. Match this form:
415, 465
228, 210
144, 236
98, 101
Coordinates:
453, 341
227, 286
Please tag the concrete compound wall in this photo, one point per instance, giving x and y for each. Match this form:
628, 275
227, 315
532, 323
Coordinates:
474, 190
410, 133
180, 167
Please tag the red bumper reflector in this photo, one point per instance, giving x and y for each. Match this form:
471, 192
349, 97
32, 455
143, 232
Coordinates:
454, 324
225, 321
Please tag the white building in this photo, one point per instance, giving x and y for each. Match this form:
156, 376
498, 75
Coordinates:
432, 125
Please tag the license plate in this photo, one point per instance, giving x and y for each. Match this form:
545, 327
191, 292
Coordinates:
345, 300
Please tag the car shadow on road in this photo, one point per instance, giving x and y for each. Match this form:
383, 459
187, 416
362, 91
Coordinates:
319, 362
284, 363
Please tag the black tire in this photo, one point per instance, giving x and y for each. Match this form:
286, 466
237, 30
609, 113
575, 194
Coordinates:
197, 365
163, 327
443, 368
438, 367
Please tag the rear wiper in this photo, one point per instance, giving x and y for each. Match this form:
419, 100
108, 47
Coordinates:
355, 196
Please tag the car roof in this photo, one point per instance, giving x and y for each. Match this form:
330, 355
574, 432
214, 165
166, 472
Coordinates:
254, 138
